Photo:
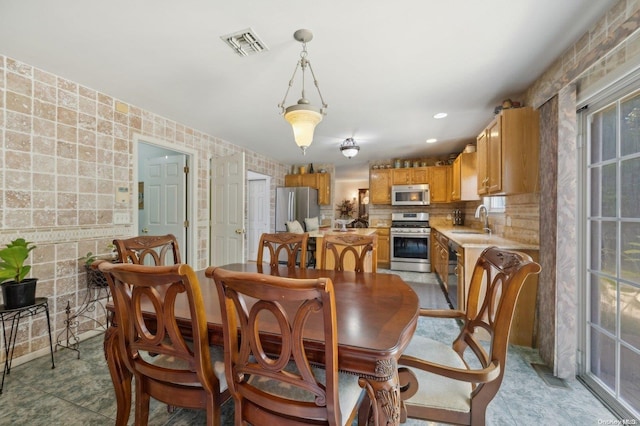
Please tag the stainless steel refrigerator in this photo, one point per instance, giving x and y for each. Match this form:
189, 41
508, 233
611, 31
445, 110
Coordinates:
295, 203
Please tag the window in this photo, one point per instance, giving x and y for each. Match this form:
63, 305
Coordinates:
494, 204
612, 258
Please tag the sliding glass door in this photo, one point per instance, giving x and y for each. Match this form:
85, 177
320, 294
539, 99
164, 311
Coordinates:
612, 254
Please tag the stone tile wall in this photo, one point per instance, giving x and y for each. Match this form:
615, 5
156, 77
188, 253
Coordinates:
611, 45
64, 149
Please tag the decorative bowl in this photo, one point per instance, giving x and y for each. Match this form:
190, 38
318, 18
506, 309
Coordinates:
343, 223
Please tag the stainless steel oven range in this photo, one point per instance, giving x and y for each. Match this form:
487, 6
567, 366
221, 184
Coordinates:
410, 242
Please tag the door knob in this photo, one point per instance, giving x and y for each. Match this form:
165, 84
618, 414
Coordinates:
239, 231
145, 230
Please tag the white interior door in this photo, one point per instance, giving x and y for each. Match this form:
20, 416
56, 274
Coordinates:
227, 230
164, 212
257, 214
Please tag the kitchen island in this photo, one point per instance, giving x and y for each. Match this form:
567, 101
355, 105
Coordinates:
462, 246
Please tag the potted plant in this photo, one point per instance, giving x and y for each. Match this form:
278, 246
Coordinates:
96, 278
17, 291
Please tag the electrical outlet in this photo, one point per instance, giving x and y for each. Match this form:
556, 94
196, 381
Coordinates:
120, 218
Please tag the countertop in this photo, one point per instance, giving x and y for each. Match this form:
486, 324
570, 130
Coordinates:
480, 240
357, 231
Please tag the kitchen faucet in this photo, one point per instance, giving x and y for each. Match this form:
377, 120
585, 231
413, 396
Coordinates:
479, 211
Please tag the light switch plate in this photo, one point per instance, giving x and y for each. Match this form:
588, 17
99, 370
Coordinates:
120, 218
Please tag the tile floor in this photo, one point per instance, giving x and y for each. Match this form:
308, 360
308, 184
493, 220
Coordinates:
79, 391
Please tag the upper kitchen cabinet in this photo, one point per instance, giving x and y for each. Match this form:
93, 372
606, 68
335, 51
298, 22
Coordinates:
464, 177
420, 175
440, 184
508, 152
402, 176
319, 181
438, 178
324, 188
380, 186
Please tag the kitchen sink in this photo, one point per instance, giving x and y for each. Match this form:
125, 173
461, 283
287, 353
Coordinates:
466, 232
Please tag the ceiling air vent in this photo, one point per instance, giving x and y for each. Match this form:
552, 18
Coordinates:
245, 42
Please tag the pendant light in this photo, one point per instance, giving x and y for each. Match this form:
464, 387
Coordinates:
303, 116
349, 148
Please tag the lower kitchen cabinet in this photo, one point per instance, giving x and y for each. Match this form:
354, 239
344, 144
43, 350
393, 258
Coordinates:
440, 257
523, 331
384, 248
456, 284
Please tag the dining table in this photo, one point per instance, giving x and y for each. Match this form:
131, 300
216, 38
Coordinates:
377, 314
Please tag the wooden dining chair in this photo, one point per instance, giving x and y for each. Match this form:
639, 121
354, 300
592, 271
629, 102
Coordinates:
350, 251
294, 244
438, 382
173, 366
276, 384
149, 250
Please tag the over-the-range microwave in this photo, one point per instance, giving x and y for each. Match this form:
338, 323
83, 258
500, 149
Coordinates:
410, 195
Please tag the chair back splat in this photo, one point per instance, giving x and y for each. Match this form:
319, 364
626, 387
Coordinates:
350, 249
293, 244
272, 381
149, 250
171, 364
448, 383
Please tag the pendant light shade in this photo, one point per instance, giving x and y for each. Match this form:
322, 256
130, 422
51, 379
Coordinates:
349, 148
303, 116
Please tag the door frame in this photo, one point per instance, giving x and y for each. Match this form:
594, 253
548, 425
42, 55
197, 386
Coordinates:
192, 206
251, 175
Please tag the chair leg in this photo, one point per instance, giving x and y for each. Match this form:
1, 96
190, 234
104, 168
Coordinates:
364, 412
213, 411
142, 404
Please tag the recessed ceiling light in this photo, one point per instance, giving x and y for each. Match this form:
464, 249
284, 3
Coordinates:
440, 115
432, 140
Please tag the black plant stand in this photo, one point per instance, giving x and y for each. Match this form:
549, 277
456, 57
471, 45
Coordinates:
97, 289
14, 315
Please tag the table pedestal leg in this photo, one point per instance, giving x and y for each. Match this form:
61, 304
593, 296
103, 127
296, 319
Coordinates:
386, 405
120, 376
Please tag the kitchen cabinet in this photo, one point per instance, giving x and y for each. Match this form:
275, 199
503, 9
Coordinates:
324, 188
380, 186
523, 331
466, 248
438, 178
293, 180
440, 184
384, 248
402, 176
411, 176
440, 257
464, 177
319, 181
459, 273
508, 153
420, 175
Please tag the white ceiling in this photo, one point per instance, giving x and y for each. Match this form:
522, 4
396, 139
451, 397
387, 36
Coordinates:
384, 68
